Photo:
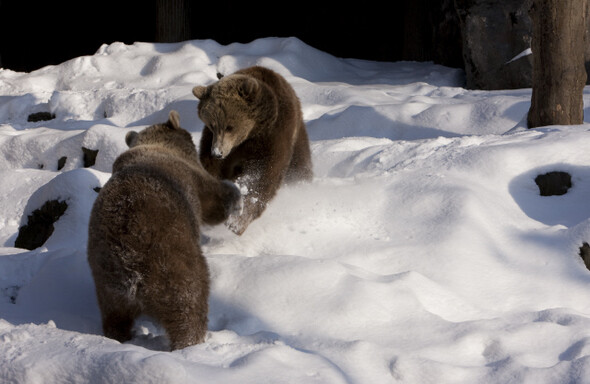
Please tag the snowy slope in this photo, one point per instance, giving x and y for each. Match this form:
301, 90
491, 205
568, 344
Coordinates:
421, 253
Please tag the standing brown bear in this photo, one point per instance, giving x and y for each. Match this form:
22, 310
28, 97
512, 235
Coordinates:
254, 135
143, 240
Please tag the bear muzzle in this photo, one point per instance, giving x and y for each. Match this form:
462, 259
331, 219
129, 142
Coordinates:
216, 153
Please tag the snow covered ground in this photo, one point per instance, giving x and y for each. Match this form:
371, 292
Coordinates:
421, 253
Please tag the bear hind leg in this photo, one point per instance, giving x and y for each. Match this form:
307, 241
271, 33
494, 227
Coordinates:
184, 319
184, 330
117, 323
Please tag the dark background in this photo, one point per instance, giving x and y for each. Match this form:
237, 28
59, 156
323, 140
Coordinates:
36, 34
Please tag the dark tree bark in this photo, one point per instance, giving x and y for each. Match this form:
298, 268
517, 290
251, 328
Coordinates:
173, 20
559, 74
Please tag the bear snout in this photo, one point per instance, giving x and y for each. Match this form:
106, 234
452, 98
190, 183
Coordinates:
216, 153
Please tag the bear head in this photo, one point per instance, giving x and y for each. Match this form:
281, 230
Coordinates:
168, 134
234, 109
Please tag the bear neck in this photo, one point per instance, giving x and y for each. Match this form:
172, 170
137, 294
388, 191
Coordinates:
267, 106
189, 155
150, 153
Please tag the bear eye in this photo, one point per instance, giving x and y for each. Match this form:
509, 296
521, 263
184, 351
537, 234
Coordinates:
229, 128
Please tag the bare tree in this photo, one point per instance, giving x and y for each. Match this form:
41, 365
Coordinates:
559, 74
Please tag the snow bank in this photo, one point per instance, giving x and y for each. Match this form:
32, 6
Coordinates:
421, 252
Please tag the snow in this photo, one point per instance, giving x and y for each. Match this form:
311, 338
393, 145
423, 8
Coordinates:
522, 54
421, 252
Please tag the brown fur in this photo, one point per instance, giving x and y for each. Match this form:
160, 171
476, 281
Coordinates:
255, 135
143, 240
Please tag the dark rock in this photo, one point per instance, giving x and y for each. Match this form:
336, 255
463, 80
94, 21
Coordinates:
585, 254
554, 183
89, 157
40, 116
494, 32
40, 225
61, 162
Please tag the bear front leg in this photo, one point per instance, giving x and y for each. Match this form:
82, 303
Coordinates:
300, 167
253, 208
219, 200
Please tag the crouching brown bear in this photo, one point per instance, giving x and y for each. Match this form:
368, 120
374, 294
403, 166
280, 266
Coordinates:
143, 239
254, 135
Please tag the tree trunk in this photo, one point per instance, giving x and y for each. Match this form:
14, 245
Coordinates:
559, 74
173, 20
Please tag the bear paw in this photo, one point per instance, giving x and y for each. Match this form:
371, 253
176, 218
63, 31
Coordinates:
234, 204
237, 223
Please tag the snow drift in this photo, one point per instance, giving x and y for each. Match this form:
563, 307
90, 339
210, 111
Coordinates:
422, 251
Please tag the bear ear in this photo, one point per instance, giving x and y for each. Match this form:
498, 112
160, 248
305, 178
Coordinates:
248, 89
200, 92
131, 138
174, 120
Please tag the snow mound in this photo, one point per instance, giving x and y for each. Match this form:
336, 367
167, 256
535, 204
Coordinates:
421, 252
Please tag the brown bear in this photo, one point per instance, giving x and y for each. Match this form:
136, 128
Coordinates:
144, 235
254, 135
